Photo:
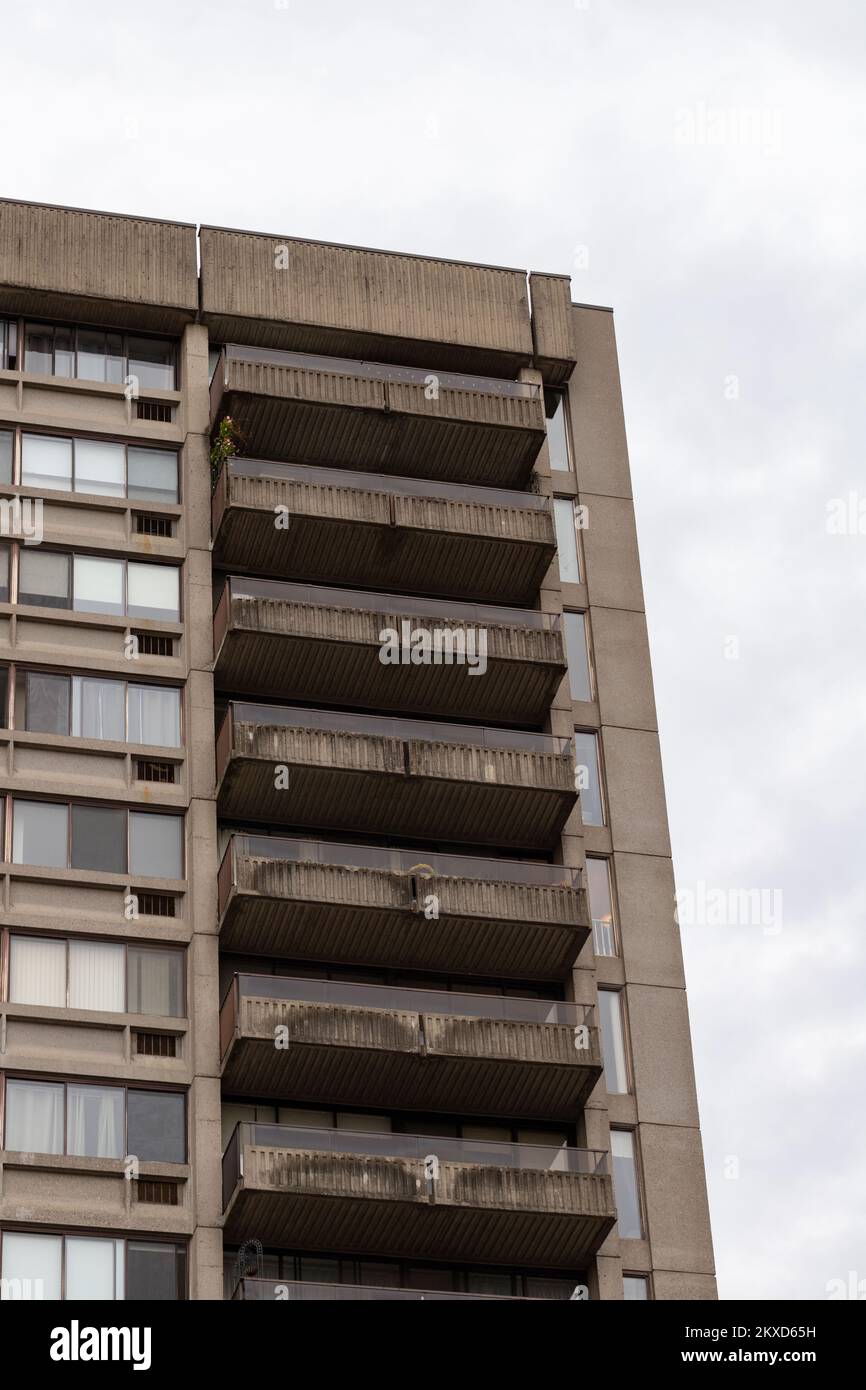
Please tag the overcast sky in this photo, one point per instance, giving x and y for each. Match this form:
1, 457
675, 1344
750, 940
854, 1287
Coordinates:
699, 166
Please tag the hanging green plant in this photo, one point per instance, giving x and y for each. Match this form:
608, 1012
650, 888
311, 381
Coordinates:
225, 446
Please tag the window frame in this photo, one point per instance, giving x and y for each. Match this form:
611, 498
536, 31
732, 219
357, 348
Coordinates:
625, 1039
24, 324
562, 393
638, 1180
8, 935
15, 709
602, 793
71, 555
606, 859
40, 1079
19, 433
10, 798
180, 1247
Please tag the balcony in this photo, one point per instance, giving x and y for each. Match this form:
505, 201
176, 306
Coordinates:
97, 267
284, 292
366, 415
415, 1196
361, 905
297, 1291
417, 536
412, 1049
371, 775
326, 646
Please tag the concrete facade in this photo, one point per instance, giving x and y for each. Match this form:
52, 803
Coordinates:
391, 1028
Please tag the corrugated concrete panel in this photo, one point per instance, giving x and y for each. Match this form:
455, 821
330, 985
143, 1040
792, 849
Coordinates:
316, 297
97, 267
552, 327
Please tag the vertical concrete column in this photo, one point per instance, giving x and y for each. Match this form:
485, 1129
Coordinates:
203, 964
661, 1108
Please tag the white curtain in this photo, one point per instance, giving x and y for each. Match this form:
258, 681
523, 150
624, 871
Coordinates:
94, 1121
152, 975
34, 1117
37, 971
154, 716
97, 976
97, 709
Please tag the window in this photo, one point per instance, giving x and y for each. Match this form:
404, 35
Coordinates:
90, 1267
99, 356
6, 451
96, 976
46, 462
40, 834
557, 431
155, 981
154, 716
93, 354
98, 585
94, 1121
95, 708
625, 1184
100, 1121
589, 782
577, 654
34, 1117
601, 906
155, 845
87, 836
44, 702
4, 574
98, 708
152, 361
37, 971
156, 1126
635, 1287
106, 976
613, 1042
154, 591
99, 468
103, 468
44, 579
99, 839
566, 540
152, 475
8, 345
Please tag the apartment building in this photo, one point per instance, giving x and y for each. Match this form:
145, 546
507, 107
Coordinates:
338, 956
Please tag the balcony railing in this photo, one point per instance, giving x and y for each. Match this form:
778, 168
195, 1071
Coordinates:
377, 371
417, 1148
456, 1004
382, 482
481, 614
380, 726
407, 863
298, 1291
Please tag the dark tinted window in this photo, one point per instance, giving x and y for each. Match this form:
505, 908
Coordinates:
99, 839
155, 1271
156, 1126
43, 579
46, 703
